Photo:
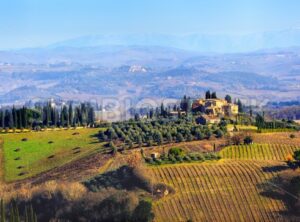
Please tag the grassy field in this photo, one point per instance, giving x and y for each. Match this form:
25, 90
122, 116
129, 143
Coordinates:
45, 150
259, 151
230, 127
224, 191
277, 138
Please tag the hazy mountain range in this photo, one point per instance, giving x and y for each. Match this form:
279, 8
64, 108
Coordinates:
219, 43
91, 68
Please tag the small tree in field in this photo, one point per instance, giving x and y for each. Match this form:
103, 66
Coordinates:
293, 161
297, 156
248, 140
236, 139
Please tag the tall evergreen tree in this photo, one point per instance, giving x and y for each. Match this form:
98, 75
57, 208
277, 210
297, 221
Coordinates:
2, 119
228, 98
15, 116
24, 117
70, 112
207, 95
2, 208
10, 119
240, 105
214, 95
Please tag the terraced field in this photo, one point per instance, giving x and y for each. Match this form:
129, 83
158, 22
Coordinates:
224, 191
259, 152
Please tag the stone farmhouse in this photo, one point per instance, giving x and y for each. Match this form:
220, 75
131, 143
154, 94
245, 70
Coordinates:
215, 107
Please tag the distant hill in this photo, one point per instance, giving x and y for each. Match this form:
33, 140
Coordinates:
139, 72
220, 43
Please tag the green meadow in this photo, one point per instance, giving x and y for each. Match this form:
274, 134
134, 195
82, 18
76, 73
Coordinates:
28, 154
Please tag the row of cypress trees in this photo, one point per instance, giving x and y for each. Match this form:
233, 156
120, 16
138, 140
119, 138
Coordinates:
47, 115
14, 215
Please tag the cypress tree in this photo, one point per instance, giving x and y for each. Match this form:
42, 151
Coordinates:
2, 211
228, 98
31, 214
24, 117
10, 120
15, 116
214, 95
70, 114
207, 95
26, 214
11, 215
19, 123
240, 105
2, 119
16, 212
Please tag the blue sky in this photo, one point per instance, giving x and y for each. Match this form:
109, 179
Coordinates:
28, 23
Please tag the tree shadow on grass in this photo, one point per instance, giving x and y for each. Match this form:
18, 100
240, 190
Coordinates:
122, 178
286, 188
275, 169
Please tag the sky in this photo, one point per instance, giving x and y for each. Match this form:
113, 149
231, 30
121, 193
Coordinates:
33, 23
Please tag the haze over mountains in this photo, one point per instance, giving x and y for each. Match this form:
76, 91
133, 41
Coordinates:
219, 43
155, 66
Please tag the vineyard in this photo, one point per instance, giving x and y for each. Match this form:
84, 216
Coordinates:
226, 191
259, 152
231, 189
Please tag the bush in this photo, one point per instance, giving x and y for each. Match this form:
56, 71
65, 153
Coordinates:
219, 133
187, 158
207, 156
199, 157
172, 159
179, 159
148, 159
175, 151
292, 136
248, 140
158, 161
193, 157
297, 155
236, 139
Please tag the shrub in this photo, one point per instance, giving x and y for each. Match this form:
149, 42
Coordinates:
158, 161
219, 133
187, 158
179, 159
175, 151
236, 139
208, 134
148, 159
297, 155
292, 136
193, 157
248, 140
207, 156
172, 159
198, 157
